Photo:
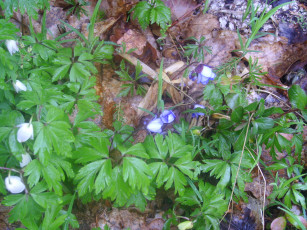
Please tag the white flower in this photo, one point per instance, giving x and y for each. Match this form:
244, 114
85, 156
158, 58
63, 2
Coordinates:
19, 86
26, 158
14, 184
167, 116
206, 71
11, 46
25, 132
155, 126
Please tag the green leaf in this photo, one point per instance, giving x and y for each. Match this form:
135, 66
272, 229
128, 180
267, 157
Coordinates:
25, 208
87, 176
118, 190
2, 186
60, 72
177, 147
86, 109
174, 176
137, 173
8, 30
142, 12
78, 73
137, 150
264, 123
156, 148
186, 165
298, 97
213, 95
300, 198
159, 170
53, 219
233, 100
4, 132
33, 171
237, 114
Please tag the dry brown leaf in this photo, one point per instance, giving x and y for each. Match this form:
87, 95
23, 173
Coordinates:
180, 7
149, 102
133, 39
202, 25
277, 54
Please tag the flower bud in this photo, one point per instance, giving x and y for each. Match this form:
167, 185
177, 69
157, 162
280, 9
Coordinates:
155, 126
167, 116
185, 225
14, 184
25, 132
11, 46
26, 158
19, 86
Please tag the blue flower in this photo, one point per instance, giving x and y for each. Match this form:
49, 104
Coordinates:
155, 126
167, 116
198, 114
203, 74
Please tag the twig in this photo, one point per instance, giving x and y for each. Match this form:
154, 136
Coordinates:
10, 169
153, 74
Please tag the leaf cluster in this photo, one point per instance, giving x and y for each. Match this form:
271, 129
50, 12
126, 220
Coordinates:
131, 85
150, 12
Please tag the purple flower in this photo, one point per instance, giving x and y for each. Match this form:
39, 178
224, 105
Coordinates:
155, 126
167, 116
198, 114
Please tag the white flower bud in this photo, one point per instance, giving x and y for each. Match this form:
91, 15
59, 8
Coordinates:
26, 158
25, 132
19, 86
11, 46
14, 184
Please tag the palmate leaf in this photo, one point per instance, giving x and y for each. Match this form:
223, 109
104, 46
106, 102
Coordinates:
174, 176
53, 219
142, 13
218, 168
53, 173
156, 148
137, 173
25, 208
118, 190
159, 170
95, 175
7, 30
176, 146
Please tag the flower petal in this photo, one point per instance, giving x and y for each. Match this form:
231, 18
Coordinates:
19, 86
155, 126
206, 71
25, 132
14, 184
167, 116
11, 46
26, 158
